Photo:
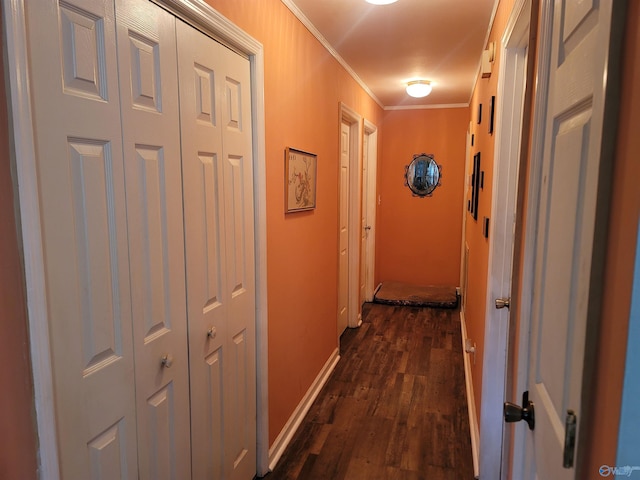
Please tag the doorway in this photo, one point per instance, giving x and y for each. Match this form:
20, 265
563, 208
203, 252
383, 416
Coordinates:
509, 117
368, 224
348, 217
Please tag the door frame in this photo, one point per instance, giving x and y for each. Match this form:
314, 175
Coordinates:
23, 159
509, 120
354, 120
520, 370
370, 194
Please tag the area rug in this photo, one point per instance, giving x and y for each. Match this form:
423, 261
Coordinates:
397, 293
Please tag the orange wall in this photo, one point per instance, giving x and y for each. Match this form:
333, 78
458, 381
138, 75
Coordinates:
623, 231
418, 239
18, 439
303, 88
478, 245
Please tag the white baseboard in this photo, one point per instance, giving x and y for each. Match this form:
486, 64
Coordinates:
471, 404
289, 429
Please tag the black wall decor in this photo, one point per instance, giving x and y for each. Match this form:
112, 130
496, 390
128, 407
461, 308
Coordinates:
480, 113
485, 227
475, 186
492, 110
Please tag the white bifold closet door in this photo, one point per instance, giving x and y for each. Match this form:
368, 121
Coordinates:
152, 167
215, 112
139, 391
80, 164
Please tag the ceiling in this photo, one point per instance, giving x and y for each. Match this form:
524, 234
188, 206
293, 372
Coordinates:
388, 45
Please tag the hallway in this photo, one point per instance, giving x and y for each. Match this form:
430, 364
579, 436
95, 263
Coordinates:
395, 406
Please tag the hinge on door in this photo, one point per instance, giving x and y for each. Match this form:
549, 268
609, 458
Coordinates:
569, 439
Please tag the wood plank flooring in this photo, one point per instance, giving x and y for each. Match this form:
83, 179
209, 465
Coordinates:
394, 407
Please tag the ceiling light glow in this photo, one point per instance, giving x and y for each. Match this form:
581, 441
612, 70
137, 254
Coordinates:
381, 2
419, 88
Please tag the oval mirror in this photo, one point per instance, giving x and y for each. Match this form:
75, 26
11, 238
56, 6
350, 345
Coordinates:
422, 175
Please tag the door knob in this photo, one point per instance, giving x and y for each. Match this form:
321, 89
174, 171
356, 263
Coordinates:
503, 303
368, 227
167, 360
515, 413
211, 333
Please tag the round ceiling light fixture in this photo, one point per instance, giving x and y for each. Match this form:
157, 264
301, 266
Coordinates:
381, 2
419, 88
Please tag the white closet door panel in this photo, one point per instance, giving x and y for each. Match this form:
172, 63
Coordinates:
240, 385
199, 70
81, 187
151, 136
218, 195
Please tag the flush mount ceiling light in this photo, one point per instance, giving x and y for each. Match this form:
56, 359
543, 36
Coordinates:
419, 88
381, 2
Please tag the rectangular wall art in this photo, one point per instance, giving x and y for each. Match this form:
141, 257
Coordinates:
300, 180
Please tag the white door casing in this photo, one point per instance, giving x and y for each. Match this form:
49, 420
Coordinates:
570, 222
350, 120
508, 133
151, 140
364, 228
369, 179
343, 231
217, 161
81, 187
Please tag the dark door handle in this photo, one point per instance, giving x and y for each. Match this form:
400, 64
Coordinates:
515, 413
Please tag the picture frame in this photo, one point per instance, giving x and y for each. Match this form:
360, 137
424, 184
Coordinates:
475, 186
479, 113
492, 109
300, 171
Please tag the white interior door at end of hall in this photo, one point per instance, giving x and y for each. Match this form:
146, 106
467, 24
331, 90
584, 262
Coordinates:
75, 95
566, 226
364, 231
218, 199
151, 136
343, 226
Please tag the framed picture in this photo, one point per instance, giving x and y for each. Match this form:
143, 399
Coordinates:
480, 113
492, 109
300, 170
475, 186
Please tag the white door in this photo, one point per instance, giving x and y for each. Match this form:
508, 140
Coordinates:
364, 227
369, 179
218, 200
509, 116
567, 224
81, 182
151, 136
343, 255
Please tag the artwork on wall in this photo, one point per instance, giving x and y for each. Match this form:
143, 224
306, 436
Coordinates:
473, 139
480, 113
475, 186
485, 227
300, 169
492, 109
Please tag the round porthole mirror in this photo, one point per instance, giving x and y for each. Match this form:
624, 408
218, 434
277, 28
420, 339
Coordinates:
422, 175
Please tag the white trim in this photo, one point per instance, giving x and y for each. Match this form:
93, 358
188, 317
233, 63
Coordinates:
545, 25
428, 107
325, 43
508, 132
372, 187
201, 15
471, 404
24, 161
286, 434
350, 116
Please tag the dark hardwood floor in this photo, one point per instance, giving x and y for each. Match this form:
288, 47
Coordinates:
394, 407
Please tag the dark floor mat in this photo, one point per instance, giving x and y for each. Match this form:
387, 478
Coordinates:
397, 293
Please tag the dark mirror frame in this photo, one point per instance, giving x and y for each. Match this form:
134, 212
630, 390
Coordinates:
422, 175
